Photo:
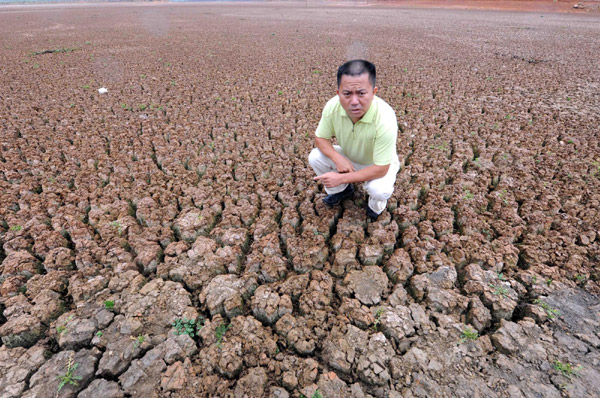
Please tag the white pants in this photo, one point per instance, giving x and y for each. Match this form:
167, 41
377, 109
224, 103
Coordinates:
379, 190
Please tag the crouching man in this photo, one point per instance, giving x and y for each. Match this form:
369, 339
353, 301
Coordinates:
366, 130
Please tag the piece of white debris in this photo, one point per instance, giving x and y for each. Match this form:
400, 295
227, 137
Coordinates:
103, 90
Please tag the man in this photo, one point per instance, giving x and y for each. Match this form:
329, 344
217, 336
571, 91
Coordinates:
366, 130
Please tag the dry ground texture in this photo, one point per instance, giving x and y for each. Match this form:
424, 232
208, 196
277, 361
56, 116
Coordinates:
166, 238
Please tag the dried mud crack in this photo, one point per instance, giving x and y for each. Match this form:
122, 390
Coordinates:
166, 238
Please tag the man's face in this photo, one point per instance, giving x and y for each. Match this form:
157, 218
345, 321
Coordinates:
356, 95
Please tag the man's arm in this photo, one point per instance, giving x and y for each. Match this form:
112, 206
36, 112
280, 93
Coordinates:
333, 179
342, 164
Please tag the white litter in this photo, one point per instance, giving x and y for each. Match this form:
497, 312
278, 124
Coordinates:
103, 90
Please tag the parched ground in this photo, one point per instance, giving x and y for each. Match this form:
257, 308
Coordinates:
166, 238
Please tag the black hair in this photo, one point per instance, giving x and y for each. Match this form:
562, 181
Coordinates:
357, 67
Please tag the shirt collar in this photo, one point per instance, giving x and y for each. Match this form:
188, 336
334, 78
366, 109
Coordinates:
367, 117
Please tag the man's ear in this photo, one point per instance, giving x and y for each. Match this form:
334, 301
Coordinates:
375, 90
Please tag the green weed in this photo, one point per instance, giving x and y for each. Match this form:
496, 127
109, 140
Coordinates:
566, 369
117, 225
188, 326
378, 314
137, 340
596, 164
499, 290
69, 377
551, 312
468, 334
16, 228
109, 305
440, 147
220, 332
316, 394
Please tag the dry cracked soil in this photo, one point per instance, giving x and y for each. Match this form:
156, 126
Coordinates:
166, 239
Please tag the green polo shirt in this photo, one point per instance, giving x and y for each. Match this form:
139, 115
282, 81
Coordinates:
372, 140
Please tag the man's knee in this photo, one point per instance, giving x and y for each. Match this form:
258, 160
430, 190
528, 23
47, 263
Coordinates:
314, 156
379, 192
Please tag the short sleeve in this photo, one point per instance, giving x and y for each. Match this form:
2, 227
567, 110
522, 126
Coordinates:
384, 148
325, 128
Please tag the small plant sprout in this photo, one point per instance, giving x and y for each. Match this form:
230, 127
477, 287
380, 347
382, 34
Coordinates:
117, 225
109, 305
69, 377
188, 326
99, 333
551, 312
549, 281
468, 334
16, 228
60, 329
316, 394
580, 278
567, 369
378, 314
220, 332
596, 164
468, 195
499, 290
501, 276
137, 340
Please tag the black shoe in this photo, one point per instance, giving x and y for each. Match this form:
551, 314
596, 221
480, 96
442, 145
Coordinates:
371, 214
333, 199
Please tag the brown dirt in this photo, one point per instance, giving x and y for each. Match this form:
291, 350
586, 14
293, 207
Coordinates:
501, 5
167, 239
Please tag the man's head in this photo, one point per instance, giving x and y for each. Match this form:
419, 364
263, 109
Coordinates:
357, 67
356, 87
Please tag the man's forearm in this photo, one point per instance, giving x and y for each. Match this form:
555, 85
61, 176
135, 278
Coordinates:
367, 174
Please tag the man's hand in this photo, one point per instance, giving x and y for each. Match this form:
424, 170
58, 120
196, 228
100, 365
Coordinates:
331, 179
343, 165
